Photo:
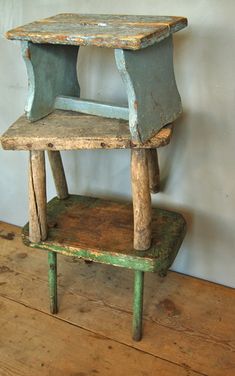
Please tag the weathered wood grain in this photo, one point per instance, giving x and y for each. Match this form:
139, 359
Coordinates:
142, 210
113, 31
185, 321
65, 130
154, 172
33, 343
102, 231
58, 174
37, 197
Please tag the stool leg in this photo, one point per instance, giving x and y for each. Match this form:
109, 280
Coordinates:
58, 174
37, 197
52, 278
138, 305
141, 199
154, 173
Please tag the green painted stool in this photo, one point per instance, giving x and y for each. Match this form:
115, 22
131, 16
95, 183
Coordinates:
133, 236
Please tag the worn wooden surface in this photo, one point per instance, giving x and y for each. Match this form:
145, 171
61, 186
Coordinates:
37, 197
65, 130
142, 209
58, 174
51, 72
152, 93
115, 31
102, 231
33, 343
188, 323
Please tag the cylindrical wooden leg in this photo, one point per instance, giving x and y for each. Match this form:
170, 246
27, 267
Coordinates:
37, 197
52, 278
138, 305
141, 199
58, 174
154, 173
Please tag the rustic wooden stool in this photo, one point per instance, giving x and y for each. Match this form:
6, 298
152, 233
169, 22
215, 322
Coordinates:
91, 228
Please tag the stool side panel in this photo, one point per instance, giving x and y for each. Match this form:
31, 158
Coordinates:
51, 72
153, 97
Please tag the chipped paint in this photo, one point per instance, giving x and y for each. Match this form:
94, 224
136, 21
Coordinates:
112, 31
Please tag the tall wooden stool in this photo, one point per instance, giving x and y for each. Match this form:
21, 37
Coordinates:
132, 236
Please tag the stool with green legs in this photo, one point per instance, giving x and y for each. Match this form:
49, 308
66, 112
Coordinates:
131, 235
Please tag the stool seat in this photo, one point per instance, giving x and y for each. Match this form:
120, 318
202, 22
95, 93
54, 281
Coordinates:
102, 231
68, 130
102, 30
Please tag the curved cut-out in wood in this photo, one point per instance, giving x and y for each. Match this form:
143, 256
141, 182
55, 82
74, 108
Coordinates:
51, 72
153, 97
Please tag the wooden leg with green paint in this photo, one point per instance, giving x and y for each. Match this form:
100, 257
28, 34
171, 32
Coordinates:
52, 278
138, 305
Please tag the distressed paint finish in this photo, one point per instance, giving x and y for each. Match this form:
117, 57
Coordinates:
91, 107
102, 231
138, 305
153, 97
143, 50
52, 281
65, 130
112, 31
51, 72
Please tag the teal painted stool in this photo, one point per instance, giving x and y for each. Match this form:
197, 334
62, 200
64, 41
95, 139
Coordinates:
133, 236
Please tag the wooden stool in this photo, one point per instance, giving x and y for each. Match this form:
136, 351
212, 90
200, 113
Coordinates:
91, 228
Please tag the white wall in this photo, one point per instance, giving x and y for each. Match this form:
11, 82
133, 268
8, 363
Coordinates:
198, 166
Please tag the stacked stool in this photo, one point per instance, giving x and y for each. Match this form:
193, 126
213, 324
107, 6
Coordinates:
133, 236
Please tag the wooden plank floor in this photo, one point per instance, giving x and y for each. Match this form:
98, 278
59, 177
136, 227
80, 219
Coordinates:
188, 323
